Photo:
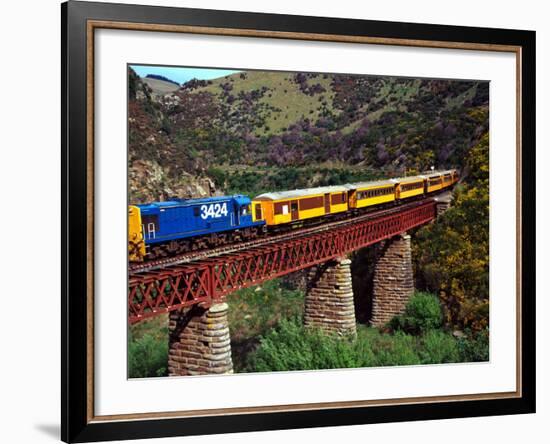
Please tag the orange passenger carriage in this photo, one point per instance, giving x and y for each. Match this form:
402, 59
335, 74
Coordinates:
365, 194
449, 178
455, 176
433, 182
296, 205
439, 180
409, 187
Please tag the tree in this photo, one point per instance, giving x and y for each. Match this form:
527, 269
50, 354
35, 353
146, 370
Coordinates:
452, 255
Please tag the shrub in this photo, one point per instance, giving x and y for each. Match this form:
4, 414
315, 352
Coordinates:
438, 347
422, 313
396, 349
292, 347
474, 347
147, 356
254, 311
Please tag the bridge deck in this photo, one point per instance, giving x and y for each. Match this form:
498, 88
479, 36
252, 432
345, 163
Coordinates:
210, 279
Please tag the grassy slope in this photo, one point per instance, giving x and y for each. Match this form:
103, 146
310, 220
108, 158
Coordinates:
461, 98
285, 95
160, 87
292, 104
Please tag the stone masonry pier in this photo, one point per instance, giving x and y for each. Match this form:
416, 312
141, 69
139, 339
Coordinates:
443, 202
329, 298
199, 342
393, 282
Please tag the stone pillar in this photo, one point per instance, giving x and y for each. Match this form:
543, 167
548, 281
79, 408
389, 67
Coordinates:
443, 203
199, 342
393, 283
441, 207
329, 298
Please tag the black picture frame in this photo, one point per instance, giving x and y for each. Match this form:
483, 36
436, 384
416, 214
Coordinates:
77, 421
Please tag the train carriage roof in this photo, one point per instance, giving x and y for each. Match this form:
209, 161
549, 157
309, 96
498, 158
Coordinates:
436, 173
408, 179
295, 194
372, 184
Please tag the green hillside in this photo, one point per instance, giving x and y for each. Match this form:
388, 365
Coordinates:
282, 103
160, 87
258, 131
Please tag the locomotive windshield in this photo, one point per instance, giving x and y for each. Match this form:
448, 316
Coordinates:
245, 209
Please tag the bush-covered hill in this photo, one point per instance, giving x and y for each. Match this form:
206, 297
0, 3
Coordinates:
452, 256
256, 131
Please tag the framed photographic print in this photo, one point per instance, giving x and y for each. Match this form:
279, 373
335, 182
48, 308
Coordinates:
276, 221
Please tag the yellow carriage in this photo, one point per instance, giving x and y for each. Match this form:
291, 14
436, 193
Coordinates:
296, 205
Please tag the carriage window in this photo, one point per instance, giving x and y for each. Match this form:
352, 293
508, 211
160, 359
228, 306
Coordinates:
411, 186
294, 206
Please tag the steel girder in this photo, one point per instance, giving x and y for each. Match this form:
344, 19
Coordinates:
209, 280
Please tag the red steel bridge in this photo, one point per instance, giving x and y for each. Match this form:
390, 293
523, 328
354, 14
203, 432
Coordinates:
209, 279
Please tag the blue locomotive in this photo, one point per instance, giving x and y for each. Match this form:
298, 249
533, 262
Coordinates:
177, 226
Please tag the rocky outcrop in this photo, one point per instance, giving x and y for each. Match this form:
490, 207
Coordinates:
148, 182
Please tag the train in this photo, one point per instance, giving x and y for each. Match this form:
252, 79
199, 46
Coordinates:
177, 226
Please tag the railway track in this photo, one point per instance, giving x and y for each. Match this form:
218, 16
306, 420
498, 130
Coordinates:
296, 233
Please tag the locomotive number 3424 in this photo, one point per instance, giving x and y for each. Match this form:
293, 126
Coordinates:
213, 210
